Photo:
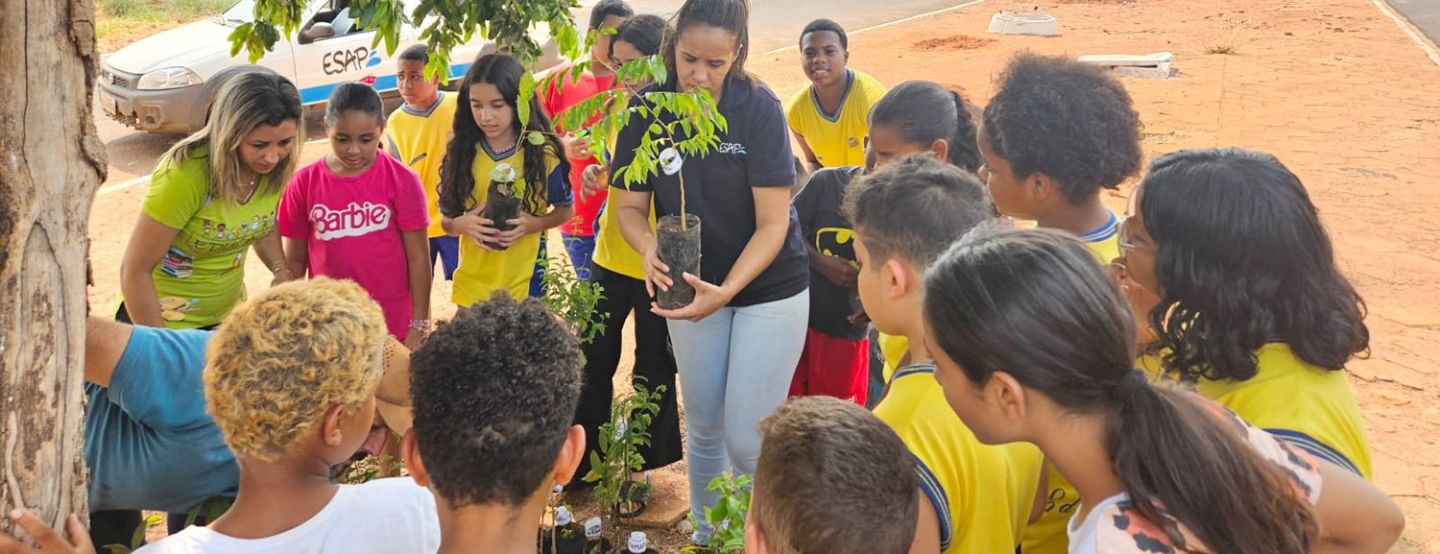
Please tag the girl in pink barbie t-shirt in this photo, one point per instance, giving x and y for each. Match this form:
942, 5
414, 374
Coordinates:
361, 216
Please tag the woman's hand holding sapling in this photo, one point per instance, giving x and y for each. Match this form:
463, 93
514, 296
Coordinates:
657, 273
708, 298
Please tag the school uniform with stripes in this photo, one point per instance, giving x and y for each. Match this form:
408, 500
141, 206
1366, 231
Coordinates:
983, 494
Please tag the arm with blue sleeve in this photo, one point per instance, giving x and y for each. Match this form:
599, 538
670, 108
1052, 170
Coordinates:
154, 375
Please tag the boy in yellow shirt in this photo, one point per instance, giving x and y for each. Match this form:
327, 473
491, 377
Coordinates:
1053, 173
830, 117
977, 498
418, 133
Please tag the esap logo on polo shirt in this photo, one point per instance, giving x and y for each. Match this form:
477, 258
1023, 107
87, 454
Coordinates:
354, 221
731, 148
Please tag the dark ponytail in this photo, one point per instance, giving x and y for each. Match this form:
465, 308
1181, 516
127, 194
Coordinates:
1034, 304
924, 112
457, 180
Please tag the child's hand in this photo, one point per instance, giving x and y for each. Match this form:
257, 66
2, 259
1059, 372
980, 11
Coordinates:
477, 228
577, 148
413, 338
49, 541
838, 270
526, 224
590, 180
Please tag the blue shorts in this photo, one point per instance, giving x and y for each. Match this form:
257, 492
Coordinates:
581, 250
448, 250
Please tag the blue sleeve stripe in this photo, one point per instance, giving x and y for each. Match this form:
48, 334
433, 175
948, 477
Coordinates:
558, 192
936, 493
1104, 232
1315, 447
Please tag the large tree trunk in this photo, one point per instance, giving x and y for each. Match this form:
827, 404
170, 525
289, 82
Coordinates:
51, 163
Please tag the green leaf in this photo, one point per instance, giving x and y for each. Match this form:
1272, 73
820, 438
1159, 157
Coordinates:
527, 92
536, 138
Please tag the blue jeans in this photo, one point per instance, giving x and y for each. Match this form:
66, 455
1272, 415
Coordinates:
735, 369
582, 251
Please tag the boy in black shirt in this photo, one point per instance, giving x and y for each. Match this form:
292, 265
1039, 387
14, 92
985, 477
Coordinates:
836, 359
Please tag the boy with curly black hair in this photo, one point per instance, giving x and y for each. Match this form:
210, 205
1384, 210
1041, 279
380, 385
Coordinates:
494, 394
1057, 132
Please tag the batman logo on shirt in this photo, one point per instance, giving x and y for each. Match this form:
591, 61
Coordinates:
836, 241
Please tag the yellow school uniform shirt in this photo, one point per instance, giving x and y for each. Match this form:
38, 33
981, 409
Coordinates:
982, 493
418, 139
1104, 242
1310, 407
612, 252
482, 272
892, 348
836, 139
1048, 535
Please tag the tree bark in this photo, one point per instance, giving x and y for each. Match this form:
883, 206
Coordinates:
51, 163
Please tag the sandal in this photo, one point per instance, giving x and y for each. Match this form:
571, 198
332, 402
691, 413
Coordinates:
634, 497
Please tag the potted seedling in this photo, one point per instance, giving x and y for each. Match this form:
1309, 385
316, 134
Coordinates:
502, 202
678, 241
677, 126
727, 517
618, 456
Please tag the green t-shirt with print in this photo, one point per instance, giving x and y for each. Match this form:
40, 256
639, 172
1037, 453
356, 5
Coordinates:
202, 277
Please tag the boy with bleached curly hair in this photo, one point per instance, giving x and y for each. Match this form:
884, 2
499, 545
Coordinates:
290, 379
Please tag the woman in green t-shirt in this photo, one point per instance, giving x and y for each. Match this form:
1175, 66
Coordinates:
214, 196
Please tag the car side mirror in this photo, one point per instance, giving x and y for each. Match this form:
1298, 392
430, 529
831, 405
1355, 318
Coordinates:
320, 30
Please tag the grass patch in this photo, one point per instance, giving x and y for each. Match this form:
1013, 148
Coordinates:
1221, 50
120, 22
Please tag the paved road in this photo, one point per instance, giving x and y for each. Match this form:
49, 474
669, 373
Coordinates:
774, 24
1424, 14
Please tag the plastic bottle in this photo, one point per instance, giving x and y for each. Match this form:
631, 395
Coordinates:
595, 536
639, 544
567, 537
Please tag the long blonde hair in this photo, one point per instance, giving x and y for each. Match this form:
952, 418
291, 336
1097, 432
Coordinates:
244, 103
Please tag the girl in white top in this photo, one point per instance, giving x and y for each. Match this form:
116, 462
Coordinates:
1033, 342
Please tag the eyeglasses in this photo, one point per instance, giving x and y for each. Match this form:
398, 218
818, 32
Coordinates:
1125, 242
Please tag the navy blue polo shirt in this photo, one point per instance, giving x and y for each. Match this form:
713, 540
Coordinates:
753, 153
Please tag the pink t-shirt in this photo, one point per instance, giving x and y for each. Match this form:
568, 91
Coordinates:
352, 226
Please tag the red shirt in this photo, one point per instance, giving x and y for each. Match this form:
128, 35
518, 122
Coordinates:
559, 98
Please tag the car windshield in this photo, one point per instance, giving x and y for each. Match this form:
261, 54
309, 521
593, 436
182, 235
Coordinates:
242, 12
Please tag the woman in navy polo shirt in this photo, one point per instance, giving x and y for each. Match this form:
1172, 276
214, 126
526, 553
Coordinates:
738, 343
